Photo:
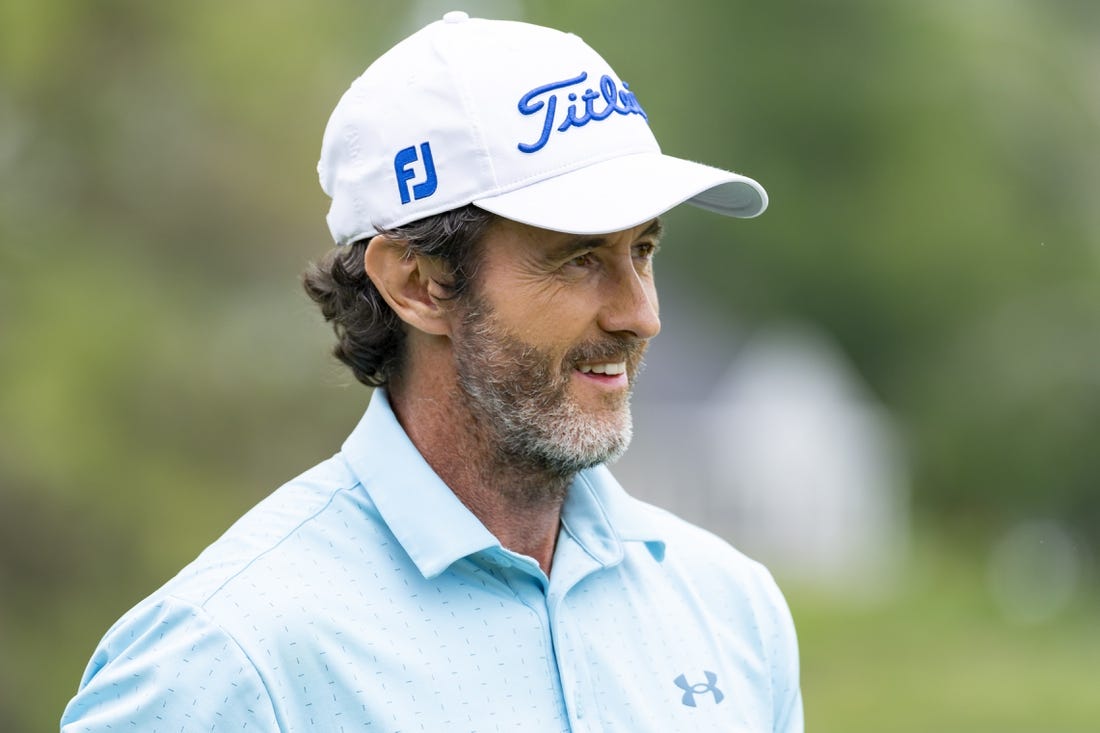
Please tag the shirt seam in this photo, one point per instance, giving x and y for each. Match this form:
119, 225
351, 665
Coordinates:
209, 618
263, 553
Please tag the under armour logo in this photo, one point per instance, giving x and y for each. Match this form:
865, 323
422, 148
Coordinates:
402, 166
700, 688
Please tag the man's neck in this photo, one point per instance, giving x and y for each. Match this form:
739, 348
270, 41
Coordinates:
520, 505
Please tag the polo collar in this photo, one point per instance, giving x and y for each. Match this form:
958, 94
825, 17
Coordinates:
601, 516
437, 530
432, 525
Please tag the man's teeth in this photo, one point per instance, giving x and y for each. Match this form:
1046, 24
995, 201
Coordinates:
611, 369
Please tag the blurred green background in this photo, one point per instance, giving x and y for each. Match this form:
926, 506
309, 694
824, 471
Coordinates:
933, 168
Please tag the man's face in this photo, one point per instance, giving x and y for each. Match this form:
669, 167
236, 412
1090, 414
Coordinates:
551, 339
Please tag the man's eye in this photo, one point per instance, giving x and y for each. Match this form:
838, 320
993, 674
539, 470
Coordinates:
582, 260
645, 251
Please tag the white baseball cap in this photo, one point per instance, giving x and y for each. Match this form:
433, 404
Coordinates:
524, 121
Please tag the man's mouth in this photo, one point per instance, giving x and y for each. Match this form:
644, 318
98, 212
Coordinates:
609, 368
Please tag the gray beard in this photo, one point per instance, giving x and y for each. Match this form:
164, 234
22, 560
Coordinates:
521, 404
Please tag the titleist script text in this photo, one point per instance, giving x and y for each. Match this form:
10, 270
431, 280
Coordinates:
581, 110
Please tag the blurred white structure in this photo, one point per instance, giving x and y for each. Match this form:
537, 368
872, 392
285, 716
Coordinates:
773, 443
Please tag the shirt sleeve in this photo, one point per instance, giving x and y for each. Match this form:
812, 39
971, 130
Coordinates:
169, 667
787, 715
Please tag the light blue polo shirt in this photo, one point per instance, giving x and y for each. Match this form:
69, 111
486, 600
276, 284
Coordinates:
363, 596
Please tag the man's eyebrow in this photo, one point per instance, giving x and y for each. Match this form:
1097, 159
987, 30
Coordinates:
655, 229
584, 242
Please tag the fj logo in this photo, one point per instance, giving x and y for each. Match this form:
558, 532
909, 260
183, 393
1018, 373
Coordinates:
700, 688
406, 172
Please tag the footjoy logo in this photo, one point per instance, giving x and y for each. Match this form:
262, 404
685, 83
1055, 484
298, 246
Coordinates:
403, 167
700, 688
590, 106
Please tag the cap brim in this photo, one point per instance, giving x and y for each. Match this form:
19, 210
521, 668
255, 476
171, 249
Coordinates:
626, 191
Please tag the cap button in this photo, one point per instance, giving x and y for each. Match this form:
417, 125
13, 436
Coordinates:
456, 16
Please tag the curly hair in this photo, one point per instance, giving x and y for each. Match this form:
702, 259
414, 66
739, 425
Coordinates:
370, 337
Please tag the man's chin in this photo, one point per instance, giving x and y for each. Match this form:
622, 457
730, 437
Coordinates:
602, 438
563, 445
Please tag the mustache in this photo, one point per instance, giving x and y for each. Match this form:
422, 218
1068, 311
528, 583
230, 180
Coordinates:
618, 348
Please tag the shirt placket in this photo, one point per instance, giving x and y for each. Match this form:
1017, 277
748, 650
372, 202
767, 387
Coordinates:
572, 564
563, 633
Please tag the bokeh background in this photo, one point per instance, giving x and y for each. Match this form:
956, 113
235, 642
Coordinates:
933, 167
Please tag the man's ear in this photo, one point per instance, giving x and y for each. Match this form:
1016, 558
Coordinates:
409, 283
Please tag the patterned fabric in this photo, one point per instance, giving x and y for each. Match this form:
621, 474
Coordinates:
363, 596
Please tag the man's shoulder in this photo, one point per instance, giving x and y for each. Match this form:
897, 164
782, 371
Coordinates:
215, 604
294, 516
688, 536
699, 554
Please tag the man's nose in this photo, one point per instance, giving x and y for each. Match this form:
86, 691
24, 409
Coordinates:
630, 305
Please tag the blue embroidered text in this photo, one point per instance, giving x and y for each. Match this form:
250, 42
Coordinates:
581, 110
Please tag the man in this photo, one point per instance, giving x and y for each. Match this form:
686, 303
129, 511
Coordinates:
466, 561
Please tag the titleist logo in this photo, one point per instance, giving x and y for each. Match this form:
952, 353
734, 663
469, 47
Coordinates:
591, 106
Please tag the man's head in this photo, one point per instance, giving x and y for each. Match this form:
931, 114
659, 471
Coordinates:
499, 190
544, 331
